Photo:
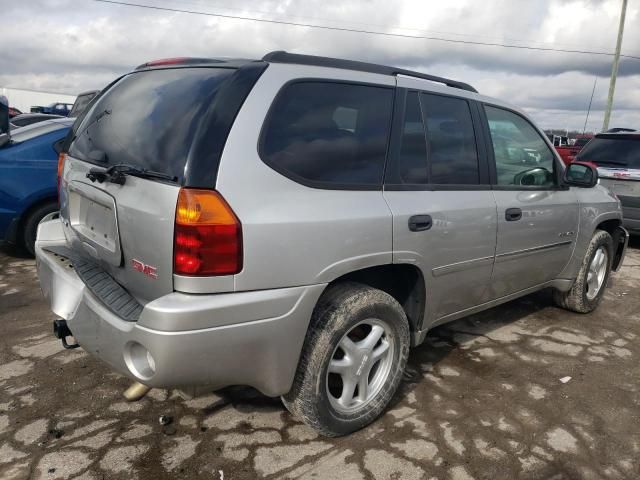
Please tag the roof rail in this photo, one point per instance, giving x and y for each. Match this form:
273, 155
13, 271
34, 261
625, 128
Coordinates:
281, 56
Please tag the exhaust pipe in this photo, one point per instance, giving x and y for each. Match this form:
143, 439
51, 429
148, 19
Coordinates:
136, 391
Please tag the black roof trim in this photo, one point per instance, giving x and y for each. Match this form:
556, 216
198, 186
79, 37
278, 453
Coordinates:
281, 56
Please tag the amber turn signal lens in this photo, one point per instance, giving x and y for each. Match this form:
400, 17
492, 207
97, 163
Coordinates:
203, 207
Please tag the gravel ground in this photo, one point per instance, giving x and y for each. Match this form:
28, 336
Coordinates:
482, 399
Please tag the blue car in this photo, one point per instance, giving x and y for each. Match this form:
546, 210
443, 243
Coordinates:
28, 178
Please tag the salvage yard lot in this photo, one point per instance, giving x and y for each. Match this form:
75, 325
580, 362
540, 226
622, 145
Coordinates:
482, 399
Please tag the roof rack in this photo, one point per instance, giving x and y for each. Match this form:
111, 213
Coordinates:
281, 56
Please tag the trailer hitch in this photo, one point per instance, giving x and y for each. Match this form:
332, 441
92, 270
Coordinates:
61, 331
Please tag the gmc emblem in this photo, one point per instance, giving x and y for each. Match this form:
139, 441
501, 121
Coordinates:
148, 270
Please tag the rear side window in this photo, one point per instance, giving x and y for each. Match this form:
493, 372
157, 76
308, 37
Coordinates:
329, 135
453, 155
149, 119
613, 151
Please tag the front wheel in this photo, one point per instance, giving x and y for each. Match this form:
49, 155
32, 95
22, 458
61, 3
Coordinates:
588, 289
352, 361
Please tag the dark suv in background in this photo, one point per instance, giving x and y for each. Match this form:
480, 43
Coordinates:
617, 156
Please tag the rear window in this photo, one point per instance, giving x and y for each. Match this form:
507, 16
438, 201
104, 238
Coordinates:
329, 135
81, 103
612, 152
149, 119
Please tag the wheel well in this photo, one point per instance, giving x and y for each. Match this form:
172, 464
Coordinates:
609, 226
403, 282
27, 213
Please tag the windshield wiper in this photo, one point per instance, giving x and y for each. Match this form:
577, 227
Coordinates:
117, 174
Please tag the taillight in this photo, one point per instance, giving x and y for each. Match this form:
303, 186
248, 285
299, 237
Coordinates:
208, 235
61, 159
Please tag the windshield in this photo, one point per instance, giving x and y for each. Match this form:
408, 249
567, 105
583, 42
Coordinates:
618, 151
149, 119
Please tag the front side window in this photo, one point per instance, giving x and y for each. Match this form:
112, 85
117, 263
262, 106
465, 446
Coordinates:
453, 155
328, 133
522, 157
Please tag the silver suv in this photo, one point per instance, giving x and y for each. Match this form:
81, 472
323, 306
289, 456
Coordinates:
297, 223
617, 155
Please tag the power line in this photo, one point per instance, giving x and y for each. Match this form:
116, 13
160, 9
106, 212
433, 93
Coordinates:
200, 3
368, 32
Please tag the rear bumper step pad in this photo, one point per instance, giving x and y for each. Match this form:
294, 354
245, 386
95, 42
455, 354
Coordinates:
102, 285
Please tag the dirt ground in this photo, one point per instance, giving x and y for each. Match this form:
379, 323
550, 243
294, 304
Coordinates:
482, 399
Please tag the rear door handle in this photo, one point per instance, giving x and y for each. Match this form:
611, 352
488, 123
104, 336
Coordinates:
419, 223
513, 214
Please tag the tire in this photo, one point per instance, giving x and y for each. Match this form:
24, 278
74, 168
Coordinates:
360, 313
30, 229
580, 299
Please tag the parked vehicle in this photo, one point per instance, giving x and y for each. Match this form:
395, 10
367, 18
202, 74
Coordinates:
82, 101
58, 108
300, 222
568, 152
617, 156
25, 119
28, 170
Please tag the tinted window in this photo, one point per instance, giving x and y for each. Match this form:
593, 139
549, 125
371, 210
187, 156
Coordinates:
522, 156
329, 133
81, 103
613, 151
149, 119
412, 161
453, 156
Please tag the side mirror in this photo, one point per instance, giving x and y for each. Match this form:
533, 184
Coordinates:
581, 174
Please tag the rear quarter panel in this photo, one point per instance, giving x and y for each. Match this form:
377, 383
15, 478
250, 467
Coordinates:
292, 234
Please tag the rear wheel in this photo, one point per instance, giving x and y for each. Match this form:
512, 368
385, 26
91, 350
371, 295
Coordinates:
30, 229
588, 289
352, 361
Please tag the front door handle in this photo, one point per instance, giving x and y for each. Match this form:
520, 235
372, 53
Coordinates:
419, 223
513, 214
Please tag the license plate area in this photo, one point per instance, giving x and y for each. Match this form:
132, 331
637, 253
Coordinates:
93, 217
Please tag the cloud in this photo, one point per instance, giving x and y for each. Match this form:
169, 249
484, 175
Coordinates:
74, 45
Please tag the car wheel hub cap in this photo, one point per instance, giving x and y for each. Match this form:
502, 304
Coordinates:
597, 272
360, 365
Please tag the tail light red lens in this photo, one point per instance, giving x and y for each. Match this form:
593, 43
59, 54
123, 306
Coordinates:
208, 235
61, 159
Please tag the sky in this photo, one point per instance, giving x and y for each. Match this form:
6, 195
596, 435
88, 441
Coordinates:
68, 46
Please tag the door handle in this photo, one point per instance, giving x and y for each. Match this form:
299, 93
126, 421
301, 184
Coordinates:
419, 223
512, 214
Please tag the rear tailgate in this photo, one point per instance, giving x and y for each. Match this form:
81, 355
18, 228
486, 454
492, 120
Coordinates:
147, 120
123, 228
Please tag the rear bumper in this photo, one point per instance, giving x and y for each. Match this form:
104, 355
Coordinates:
244, 338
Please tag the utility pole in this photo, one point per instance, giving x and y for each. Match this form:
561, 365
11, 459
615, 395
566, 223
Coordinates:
614, 68
584, 129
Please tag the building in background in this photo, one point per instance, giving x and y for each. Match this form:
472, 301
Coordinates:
23, 100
